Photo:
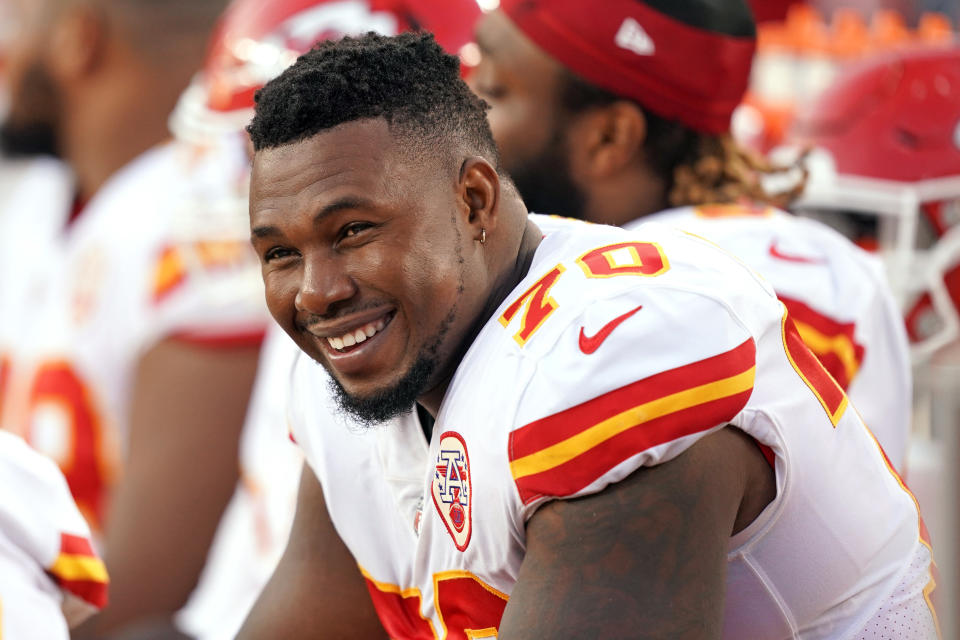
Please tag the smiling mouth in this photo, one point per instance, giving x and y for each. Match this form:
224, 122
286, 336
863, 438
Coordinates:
355, 337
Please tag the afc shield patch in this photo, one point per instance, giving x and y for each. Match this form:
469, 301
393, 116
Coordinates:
451, 488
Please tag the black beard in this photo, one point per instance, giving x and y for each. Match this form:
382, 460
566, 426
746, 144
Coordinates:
545, 183
399, 399
387, 404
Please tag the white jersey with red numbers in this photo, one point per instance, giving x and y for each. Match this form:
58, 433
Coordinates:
51, 577
836, 294
153, 255
254, 528
620, 350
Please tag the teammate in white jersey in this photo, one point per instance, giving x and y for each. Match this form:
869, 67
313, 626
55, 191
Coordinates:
726, 487
52, 578
129, 324
611, 119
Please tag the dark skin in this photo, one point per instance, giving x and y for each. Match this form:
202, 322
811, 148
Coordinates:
655, 542
349, 235
604, 145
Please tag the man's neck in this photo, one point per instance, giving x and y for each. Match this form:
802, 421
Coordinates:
503, 287
626, 197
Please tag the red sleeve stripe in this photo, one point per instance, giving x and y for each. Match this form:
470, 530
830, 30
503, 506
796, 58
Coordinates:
571, 476
90, 591
832, 342
561, 454
77, 545
78, 570
559, 427
824, 386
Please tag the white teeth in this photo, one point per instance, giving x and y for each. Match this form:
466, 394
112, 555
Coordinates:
357, 335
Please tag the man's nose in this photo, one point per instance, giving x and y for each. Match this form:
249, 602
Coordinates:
324, 284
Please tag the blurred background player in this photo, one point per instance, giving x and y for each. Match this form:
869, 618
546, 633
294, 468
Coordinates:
885, 170
631, 116
129, 327
52, 578
253, 42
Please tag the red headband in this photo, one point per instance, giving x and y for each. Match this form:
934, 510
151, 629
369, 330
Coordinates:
676, 71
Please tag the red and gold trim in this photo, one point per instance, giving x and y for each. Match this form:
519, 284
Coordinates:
832, 342
642, 259
537, 306
745, 210
170, 270
168, 273
399, 610
923, 536
467, 606
78, 570
561, 454
827, 390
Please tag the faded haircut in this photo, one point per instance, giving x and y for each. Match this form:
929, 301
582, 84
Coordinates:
407, 79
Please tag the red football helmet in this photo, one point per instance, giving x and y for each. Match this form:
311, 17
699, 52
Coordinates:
255, 40
886, 139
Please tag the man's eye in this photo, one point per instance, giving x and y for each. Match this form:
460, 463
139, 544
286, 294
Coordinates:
276, 253
354, 228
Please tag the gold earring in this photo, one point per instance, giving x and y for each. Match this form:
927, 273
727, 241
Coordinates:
483, 235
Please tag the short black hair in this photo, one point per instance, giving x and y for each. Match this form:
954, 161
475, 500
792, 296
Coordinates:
406, 79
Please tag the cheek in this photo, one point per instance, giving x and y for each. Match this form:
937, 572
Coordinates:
433, 277
280, 291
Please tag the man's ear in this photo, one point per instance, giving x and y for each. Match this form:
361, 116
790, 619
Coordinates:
78, 41
605, 140
479, 195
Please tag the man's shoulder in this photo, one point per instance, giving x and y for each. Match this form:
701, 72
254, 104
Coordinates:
582, 273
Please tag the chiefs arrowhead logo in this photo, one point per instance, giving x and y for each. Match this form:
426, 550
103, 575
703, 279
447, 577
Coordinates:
451, 488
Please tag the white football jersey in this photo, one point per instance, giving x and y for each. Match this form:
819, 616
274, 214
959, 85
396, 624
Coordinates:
620, 350
52, 578
836, 294
253, 531
156, 253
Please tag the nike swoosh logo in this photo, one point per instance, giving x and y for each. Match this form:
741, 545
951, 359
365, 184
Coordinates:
776, 253
589, 344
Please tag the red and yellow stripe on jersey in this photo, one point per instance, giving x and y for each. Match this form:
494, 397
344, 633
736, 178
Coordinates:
171, 268
832, 342
563, 453
740, 210
78, 570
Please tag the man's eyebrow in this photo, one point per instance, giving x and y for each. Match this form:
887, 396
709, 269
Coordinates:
264, 231
347, 202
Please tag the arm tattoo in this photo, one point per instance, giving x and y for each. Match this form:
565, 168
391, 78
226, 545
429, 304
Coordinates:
644, 558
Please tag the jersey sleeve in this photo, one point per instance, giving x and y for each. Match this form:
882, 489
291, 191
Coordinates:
40, 527
634, 381
206, 290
